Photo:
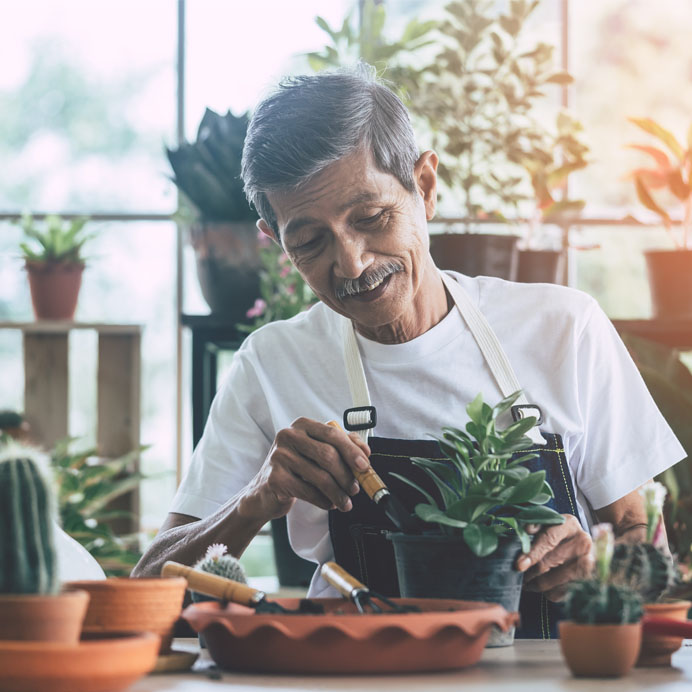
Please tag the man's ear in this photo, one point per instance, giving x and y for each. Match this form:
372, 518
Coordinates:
425, 176
263, 226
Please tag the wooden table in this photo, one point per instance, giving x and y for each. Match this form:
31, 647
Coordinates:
528, 666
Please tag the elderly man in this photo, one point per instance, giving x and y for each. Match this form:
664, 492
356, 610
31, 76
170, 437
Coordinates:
332, 166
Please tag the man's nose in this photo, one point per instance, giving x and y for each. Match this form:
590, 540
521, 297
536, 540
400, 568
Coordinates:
352, 257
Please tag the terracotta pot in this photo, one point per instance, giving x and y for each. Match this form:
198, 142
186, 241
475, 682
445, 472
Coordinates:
476, 254
30, 617
134, 605
104, 664
228, 264
670, 281
657, 649
600, 651
54, 288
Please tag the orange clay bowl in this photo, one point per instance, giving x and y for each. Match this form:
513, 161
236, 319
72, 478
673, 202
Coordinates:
448, 634
134, 605
106, 663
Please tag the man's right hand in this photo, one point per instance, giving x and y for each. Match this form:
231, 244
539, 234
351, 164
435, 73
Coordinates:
309, 461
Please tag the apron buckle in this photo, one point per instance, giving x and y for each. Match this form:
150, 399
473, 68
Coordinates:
360, 418
520, 411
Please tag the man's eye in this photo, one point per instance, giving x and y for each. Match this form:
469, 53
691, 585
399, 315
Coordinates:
307, 245
368, 220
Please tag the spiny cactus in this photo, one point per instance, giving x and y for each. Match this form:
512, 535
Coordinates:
644, 568
217, 561
28, 562
593, 602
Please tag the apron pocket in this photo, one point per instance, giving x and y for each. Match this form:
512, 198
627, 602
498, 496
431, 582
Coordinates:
375, 559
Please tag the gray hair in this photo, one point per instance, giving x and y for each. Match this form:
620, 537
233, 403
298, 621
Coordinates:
312, 121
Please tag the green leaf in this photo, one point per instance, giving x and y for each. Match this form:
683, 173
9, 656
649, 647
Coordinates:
417, 487
527, 488
648, 201
665, 136
540, 515
475, 410
561, 78
482, 540
435, 515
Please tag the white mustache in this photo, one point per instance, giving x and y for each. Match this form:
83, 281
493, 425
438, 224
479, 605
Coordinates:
352, 287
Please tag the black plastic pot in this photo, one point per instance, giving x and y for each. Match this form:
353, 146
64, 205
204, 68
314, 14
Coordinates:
436, 566
670, 281
228, 265
476, 254
540, 266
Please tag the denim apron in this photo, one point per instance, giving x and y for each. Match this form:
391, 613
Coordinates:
359, 536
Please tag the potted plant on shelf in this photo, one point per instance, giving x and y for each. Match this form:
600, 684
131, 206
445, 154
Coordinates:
550, 163
477, 98
649, 569
670, 271
601, 634
54, 263
221, 222
487, 499
32, 606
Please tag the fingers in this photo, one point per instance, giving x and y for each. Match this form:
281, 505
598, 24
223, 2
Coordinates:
549, 538
553, 583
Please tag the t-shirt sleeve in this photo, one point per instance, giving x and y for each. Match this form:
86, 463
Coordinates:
235, 442
625, 440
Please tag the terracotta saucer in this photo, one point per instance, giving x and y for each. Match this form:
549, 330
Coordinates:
446, 635
175, 661
106, 663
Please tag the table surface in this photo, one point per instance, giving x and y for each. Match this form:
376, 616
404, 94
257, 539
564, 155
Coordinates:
528, 666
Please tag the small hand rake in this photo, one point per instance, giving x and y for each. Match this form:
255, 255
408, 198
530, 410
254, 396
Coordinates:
360, 594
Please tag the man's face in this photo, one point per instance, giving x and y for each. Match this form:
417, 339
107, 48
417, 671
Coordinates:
360, 240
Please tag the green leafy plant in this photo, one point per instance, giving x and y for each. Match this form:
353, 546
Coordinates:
87, 485
671, 174
283, 290
54, 240
207, 171
366, 40
485, 490
477, 97
27, 545
599, 601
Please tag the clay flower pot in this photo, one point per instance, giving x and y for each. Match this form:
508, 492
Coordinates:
600, 651
54, 288
45, 618
134, 605
657, 649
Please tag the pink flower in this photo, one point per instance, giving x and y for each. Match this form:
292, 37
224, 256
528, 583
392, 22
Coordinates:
290, 289
263, 240
257, 309
285, 271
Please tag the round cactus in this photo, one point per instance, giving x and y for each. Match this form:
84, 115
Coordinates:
593, 602
27, 513
644, 568
217, 561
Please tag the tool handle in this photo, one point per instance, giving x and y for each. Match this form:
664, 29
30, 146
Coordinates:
341, 580
667, 626
213, 585
368, 479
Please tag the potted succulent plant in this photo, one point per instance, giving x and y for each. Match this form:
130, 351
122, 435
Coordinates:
54, 263
670, 271
649, 569
602, 632
222, 224
478, 529
550, 163
477, 99
32, 606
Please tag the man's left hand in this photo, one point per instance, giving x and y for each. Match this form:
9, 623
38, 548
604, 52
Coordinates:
559, 554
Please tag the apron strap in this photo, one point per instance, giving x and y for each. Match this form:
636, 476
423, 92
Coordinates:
482, 332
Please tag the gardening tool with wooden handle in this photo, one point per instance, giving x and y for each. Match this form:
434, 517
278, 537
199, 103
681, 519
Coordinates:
348, 586
379, 493
667, 627
234, 591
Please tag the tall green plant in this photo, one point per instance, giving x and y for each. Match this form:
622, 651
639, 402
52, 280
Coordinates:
87, 485
54, 239
486, 492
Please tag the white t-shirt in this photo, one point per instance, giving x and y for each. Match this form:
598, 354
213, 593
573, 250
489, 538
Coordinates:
565, 352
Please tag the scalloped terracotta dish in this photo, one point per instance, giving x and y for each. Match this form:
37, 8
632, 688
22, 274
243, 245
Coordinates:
102, 663
449, 634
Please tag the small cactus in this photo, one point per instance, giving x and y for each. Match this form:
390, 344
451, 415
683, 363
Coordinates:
644, 568
590, 601
28, 563
217, 561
